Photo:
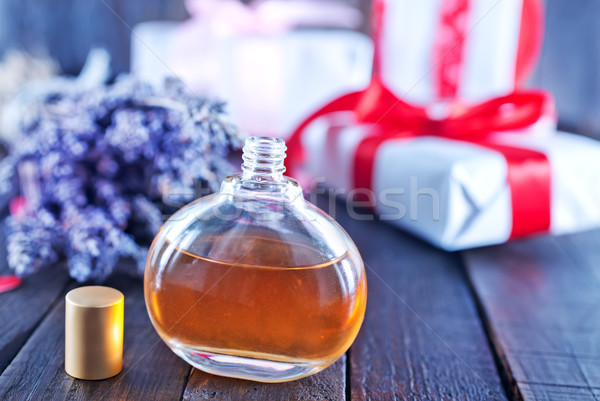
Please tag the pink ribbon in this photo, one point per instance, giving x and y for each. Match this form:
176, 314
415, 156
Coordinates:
272, 16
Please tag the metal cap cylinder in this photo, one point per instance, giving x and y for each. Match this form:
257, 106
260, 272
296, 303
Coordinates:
94, 332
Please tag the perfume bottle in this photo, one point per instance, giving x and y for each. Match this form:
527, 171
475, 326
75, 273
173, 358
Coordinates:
254, 282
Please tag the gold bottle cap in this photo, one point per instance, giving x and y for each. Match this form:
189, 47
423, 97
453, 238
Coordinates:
94, 332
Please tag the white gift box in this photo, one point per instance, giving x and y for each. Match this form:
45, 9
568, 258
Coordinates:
435, 56
455, 194
410, 31
270, 82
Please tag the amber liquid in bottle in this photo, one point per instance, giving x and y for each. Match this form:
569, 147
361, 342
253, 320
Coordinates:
270, 300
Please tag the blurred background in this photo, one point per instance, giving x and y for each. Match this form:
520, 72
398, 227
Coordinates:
67, 29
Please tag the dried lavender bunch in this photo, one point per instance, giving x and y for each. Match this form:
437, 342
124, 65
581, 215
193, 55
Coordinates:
103, 167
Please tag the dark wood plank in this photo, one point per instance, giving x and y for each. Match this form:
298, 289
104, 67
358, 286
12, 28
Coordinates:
421, 340
542, 306
329, 384
543, 392
150, 370
23, 308
422, 337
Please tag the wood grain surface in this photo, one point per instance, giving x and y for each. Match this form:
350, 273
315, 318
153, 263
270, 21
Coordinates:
422, 338
515, 321
22, 309
541, 299
150, 370
329, 384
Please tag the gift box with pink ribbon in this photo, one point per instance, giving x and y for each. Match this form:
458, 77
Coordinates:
271, 61
444, 142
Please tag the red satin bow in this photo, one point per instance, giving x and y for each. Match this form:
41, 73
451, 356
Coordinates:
379, 105
528, 171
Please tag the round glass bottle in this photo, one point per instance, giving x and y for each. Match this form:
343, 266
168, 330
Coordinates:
255, 282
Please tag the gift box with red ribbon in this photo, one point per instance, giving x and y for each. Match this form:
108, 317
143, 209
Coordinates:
464, 157
434, 50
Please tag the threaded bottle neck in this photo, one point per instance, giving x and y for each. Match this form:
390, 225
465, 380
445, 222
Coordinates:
263, 159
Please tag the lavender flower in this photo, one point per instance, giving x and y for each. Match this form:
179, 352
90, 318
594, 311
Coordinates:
104, 160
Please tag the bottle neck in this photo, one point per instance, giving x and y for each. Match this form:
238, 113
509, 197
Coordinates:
263, 160
262, 175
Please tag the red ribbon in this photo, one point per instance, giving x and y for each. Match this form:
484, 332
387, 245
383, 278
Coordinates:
8, 283
529, 171
449, 47
449, 43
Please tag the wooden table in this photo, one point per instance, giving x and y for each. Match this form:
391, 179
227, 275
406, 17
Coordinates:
516, 321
